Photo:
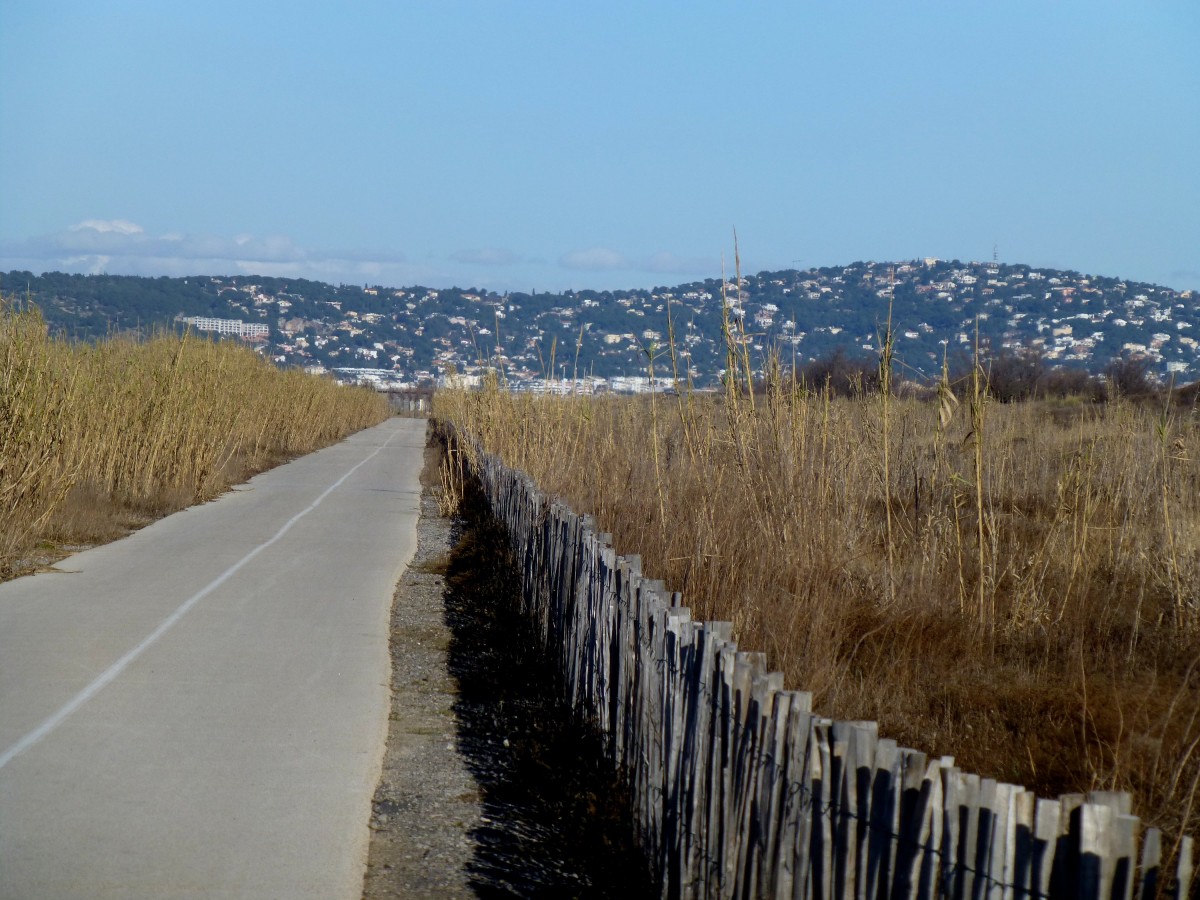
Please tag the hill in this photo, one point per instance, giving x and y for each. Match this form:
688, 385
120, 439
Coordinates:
417, 332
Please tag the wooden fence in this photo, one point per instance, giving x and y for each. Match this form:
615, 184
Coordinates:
740, 790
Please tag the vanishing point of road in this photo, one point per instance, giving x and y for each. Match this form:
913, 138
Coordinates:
200, 709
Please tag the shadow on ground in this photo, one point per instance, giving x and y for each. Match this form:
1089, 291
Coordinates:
555, 823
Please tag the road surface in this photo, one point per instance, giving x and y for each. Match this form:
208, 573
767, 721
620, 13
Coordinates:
200, 709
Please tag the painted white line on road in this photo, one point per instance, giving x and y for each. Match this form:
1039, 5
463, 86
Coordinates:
121, 664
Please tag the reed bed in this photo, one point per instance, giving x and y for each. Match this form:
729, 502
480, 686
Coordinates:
97, 438
1015, 585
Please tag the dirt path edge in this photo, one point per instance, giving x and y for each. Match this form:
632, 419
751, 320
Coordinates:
427, 803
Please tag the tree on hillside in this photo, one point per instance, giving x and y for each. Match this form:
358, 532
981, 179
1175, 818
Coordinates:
842, 374
1129, 376
1016, 374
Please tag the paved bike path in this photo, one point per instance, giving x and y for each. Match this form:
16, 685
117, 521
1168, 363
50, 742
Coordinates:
200, 709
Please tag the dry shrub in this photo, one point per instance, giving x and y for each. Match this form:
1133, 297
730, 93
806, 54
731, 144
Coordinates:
1035, 613
95, 439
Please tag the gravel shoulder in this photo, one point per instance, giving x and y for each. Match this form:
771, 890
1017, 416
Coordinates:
427, 803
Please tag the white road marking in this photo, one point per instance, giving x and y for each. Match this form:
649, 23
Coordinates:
121, 664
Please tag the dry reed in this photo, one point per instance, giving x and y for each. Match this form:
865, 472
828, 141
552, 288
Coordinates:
96, 438
1012, 584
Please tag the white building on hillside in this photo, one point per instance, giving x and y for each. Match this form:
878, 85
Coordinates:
236, 327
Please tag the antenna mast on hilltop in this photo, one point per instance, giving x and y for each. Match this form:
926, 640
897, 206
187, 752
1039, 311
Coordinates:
995, 253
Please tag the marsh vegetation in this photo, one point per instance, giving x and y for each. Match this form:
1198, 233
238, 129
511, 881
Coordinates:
98, 438
1013, 584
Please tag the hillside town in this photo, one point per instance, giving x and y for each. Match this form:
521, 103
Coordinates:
631, 340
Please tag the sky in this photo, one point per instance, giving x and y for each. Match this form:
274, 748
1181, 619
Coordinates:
520, 145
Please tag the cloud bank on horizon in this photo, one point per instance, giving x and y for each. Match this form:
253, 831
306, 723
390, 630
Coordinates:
123, 247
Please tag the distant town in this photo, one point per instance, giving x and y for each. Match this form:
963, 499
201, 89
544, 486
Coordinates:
631, 340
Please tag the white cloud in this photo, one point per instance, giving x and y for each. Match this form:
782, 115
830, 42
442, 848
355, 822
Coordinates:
594, 259
123, 247
486, 256
122, 239
118, 246
120, 226
88, 265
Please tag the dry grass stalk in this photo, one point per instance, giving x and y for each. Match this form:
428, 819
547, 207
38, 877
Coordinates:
1045, 568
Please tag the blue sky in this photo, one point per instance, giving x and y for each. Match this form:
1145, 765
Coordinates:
547, 145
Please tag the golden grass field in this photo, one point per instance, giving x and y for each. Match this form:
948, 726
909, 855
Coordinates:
95, 439
1017, 585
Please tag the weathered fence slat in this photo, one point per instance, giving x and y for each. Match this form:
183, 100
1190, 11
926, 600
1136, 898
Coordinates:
1184, 869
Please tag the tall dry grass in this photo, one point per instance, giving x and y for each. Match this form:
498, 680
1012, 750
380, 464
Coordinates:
94, 438
1015, 585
